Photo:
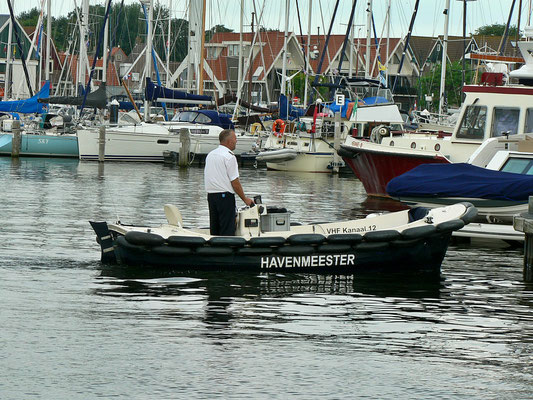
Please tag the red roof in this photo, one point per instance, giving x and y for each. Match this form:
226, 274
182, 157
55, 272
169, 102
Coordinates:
273, 45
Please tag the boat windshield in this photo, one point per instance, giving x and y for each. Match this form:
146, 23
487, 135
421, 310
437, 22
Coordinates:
505, 121
473, 123
519, 166
185, 116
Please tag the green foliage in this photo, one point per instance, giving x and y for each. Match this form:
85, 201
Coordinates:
430, 84
127, 28
29, 18
496, 30
217, 28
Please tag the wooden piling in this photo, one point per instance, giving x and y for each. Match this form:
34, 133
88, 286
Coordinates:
185, 140
17, 138
524, 223
101, 144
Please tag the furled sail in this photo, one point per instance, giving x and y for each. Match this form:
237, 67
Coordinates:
27, 106
96, 99
153, 92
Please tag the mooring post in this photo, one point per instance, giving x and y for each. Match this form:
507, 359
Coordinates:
337, 142
524, 223
101, 144
185, 140
17, 138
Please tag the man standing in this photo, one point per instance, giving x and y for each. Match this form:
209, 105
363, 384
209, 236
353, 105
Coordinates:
221, 177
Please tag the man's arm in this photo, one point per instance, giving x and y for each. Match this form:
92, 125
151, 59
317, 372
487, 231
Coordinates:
236, 184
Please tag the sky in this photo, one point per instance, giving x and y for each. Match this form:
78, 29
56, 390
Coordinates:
429, 20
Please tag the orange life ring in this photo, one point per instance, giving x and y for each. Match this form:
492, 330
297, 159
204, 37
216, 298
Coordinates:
279, 127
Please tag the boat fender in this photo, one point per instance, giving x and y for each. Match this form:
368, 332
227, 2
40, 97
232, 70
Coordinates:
334, 248
296, 250
418, 232
144, 239
450, 226
376, 246
345, 153
382, 236
227, 241
470, 214
345, 238
186, 241
306, 238
267, 241
279, 127
403, 243
122, 242
255, 251
214, 251
171, 251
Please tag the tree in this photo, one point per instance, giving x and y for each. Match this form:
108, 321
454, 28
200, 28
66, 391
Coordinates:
215, 29
29, 18
430, 84
495, 30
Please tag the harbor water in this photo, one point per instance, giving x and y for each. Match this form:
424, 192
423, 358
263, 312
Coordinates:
72, 328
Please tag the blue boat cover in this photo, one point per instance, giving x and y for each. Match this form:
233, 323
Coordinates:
287, 110
27, 106
461, 180
152, 92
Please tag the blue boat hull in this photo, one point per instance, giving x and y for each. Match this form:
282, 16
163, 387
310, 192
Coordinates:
42, 145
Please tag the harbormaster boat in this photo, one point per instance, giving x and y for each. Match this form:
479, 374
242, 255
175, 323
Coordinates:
266, 240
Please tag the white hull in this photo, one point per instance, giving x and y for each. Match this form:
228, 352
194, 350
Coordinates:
132, 143
490, 232
305, 162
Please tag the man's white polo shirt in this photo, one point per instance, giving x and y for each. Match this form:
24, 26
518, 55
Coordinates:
220, 169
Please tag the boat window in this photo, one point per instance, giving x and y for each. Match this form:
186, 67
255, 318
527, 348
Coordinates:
529, 121
519, 166
202, 119
473, 123
186, 116
505, 121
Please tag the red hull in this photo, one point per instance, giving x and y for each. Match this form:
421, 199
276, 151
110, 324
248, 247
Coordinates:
376, 169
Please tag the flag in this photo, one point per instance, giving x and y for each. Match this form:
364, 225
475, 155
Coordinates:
381, 67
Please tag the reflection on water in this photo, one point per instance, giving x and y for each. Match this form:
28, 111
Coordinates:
69, 322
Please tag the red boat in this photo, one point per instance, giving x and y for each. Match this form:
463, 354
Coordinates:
374, 166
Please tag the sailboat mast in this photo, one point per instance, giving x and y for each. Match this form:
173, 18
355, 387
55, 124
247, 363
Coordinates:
168, 41
200, 89
148, 60
82, 62
444, 55
368, 33
48, 39
7, 82
308, 55
284, 68
106, 45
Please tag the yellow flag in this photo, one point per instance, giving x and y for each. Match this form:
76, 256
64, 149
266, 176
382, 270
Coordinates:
381, 67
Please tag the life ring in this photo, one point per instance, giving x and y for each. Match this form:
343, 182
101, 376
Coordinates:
279, 127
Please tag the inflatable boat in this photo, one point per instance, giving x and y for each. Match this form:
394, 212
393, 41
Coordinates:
266, 240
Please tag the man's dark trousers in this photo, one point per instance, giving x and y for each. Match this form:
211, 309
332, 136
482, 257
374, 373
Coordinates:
221, 213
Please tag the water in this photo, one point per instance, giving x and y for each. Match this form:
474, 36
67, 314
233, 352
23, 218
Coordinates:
73, 329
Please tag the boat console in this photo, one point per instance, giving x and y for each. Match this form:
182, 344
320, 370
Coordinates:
260, 218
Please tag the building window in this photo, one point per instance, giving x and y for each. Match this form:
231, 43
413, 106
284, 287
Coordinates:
233, 50
212, 53
98, 74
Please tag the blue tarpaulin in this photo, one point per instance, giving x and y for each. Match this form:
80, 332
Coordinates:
461, 180
27, 106
286, 109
